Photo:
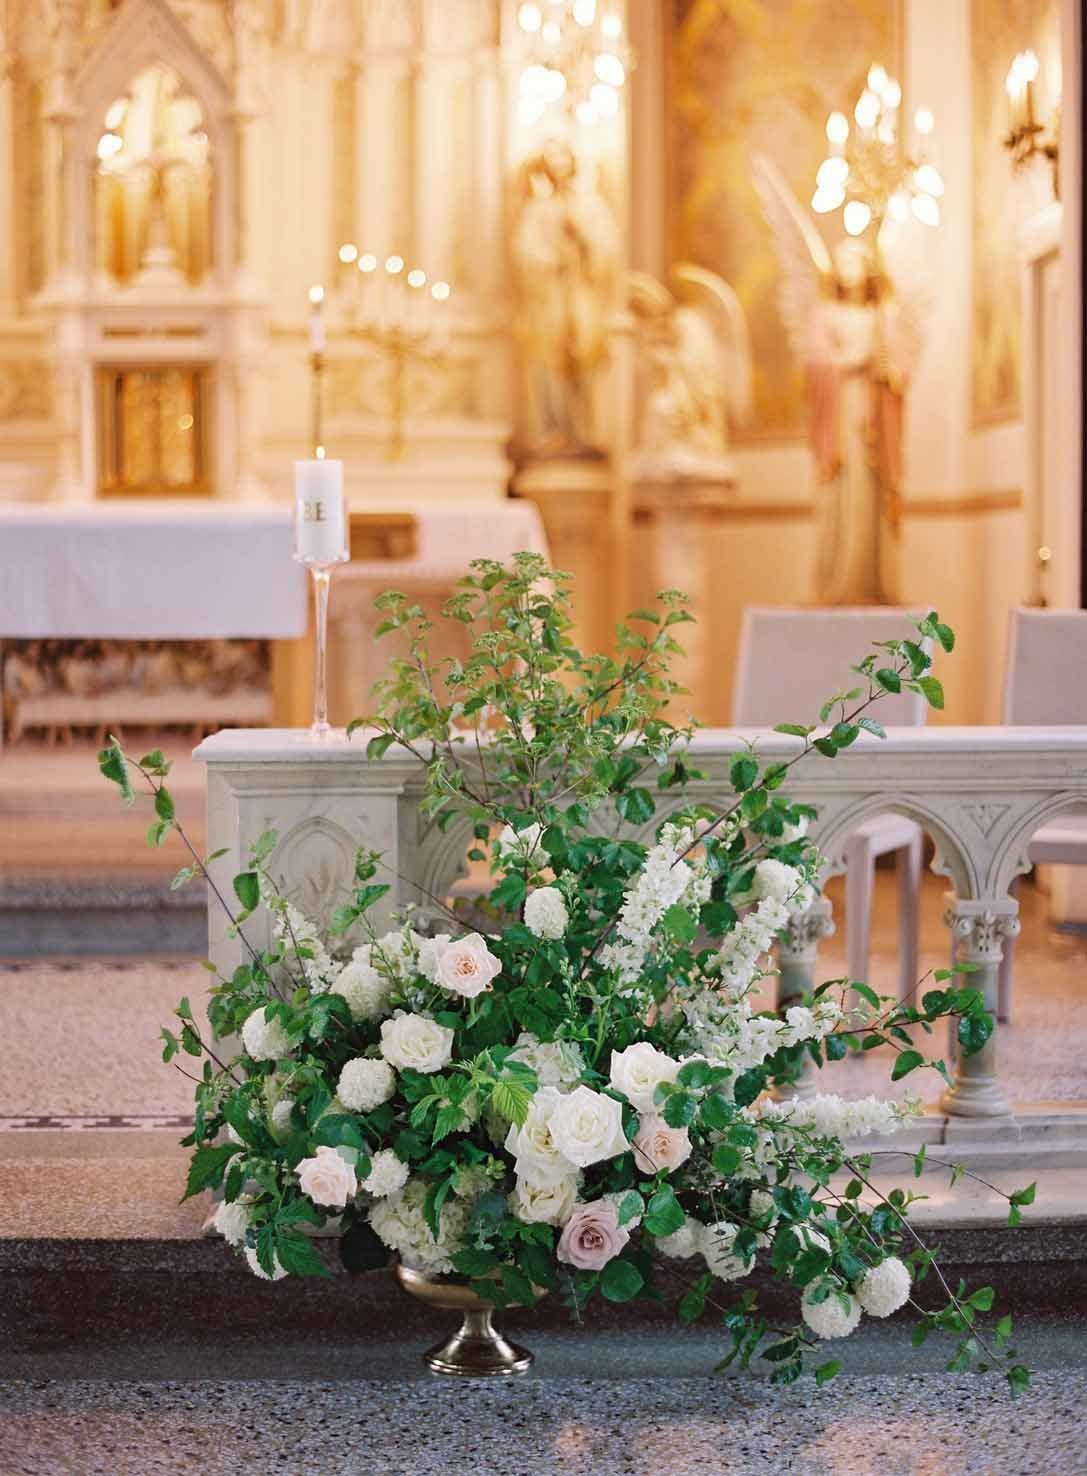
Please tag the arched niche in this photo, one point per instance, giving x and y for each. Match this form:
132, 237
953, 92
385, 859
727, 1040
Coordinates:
1011, 858
145, 35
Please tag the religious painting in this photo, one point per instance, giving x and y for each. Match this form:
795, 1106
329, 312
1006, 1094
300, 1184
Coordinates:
1000, 29
748, 78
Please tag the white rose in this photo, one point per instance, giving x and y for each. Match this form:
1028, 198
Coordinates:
545, 1205
658, 1146
232, 1221
638, 1071
388, 1175
365, 990
466, 966
327, 1178
519, 843
257, 1269
264, 1039
364, 1084
587, 1127
536, 1156
545, 913
416, 1043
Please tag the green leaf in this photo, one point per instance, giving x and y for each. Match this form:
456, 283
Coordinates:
973, 1032
298, 1256
716, 1112
114, 766
945, 635
207, 1167
870, 725
511, 1100
726, 1159
843, 734
694, 1073
664, 1213
679, 924
889, 680
793, 730
164, 804
621, 1281
680, 1109
1018, 1380
630, 1206
743, 771
636, 806
342, 918
826, 1371
906, 1062
1024, 1196
338, 1130
982, 1299
933, 691
247, 889
380, 745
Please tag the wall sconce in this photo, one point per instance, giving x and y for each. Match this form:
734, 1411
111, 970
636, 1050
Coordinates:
1024, 140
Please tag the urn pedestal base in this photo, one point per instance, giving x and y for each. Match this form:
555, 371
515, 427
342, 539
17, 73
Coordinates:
477, 1349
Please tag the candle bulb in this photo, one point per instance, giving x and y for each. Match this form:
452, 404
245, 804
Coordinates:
320, 521
316, 319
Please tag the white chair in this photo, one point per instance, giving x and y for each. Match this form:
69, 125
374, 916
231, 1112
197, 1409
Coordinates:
1045, 683
790, 662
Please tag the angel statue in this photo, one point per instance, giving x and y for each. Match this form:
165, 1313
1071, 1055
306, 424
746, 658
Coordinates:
694, 372
565, 250
857, 331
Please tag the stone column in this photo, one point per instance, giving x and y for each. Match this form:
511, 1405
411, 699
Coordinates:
7, 187
979, 928
798, 950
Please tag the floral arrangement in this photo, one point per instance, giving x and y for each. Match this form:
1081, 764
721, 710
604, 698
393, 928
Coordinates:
574, 1090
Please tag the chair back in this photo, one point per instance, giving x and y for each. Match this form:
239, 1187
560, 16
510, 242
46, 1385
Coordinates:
791, 660
1045, 675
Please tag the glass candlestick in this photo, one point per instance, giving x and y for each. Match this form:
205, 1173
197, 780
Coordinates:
320, 542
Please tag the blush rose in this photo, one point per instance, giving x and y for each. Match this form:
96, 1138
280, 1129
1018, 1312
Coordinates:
592, 1236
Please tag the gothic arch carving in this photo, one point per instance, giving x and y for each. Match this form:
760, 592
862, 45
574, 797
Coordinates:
1010, 858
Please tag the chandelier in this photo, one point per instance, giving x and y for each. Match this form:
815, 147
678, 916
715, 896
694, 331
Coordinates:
866, 175
575, 59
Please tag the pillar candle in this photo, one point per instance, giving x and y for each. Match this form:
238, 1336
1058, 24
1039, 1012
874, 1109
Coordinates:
320, 522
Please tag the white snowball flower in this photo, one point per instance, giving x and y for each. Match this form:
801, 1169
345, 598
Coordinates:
587, 1127
365, 990
884, 1288
232, 1221
257, 1269
544, 1205
281, 1118
682, 1243
416, 1043
264, 1039
834, 1318
638, 1071
388, 1175
557, 1063
545, 913
762, 1207
715, 1243
365, 1083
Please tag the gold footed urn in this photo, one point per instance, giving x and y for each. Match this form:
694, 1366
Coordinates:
477, 1350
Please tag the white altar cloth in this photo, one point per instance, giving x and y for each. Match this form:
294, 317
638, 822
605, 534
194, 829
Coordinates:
150, 570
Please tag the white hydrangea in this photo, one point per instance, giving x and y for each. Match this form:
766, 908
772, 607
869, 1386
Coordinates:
884, 1288
399, 1222
264, 1039
366, 990
829, 1116
232, 1221
557, 1063
521, 844
257, 1269
762, 1207
715, 1243
684, 1242
388, 1175
663, 881
365, 1083
545, 913
836, 1317
281, 1118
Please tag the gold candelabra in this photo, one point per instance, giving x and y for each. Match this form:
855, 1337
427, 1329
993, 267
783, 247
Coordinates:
398, 313
1025, 137
866, 173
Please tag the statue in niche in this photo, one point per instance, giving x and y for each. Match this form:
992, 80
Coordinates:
854, 322
694, 374
565, 250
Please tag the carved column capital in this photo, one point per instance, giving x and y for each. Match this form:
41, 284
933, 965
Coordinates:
805, 931
980, 928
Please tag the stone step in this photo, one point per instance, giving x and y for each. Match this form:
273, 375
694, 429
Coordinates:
68, 916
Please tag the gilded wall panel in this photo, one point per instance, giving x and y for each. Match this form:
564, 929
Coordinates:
751, 76
1000, 29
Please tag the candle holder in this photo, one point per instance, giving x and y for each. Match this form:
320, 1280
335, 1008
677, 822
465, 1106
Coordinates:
320, 542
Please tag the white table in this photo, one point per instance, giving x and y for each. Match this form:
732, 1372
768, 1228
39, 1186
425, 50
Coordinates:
158, 569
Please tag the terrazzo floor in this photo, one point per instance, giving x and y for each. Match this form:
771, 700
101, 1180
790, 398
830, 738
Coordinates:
924, 1425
